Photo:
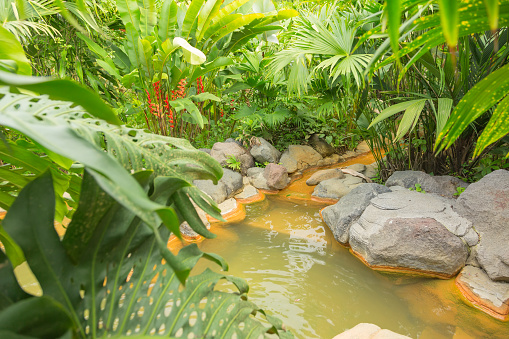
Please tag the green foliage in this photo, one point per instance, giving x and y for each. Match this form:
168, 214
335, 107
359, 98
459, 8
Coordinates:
233, 163
417, 188
114, 283
459, 190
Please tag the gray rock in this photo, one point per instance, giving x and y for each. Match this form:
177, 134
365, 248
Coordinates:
337, 188
371, 171
421, 244
248, 192
264, 152
276, 176
362, 147
409, 179
320, 176
486, 204
409, 204
217, 192
357, 168
256, 178
227, 206
186, 229
232, 181
449, 185
412, 230
235, 141
321, 146
340, 216
221, 151
490, 294
369, 331
297, 157
206, 150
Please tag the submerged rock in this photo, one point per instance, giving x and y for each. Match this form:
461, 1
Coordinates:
491, 296
264, 152
296, 158
248, 192
337, 188
486, 204
320, 176
411, 231
340, 216
221, 151
369, 331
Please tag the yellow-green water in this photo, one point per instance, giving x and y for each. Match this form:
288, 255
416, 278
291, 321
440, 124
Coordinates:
298, 272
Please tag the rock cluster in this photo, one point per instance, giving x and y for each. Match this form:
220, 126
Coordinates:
278, 166
428, 231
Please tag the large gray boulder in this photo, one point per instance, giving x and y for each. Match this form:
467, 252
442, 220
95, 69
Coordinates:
297, 158
412, 231
340, 216
337, 188
262, 151
276, 176
221, 151
321, 146
486, 204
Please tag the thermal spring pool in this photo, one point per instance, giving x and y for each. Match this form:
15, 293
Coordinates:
297, 271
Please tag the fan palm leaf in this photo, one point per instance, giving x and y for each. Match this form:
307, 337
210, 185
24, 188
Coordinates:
327, 35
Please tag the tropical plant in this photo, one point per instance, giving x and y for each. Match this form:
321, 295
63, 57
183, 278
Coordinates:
156, 61
453, 21
97, 278
329, 35
23, 18
106, 278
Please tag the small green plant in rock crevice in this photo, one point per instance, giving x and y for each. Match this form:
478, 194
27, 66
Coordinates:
459, 190
233, 163
417, 188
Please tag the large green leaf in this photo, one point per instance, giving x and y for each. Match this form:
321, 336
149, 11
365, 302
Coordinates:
55, 129
38, 317
63, 90
129, 12
482, 97
191, 17
497, 127
118, 284
168, 20
211, 66
449, 18
11, 50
